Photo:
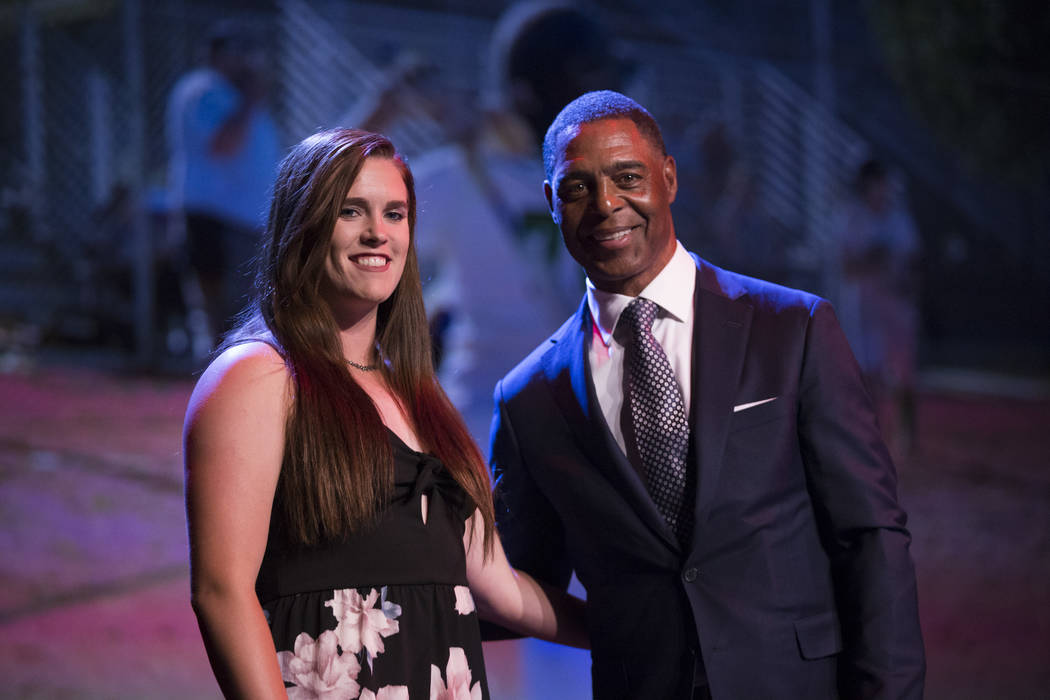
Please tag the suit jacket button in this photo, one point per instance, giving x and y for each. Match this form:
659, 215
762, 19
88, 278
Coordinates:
690, 574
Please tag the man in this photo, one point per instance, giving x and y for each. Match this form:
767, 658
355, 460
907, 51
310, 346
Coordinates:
224, 149
716, 481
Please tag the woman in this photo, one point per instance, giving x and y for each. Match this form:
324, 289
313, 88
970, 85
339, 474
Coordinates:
337, 506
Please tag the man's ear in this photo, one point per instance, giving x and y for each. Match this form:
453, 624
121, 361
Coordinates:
671, 176
548, 193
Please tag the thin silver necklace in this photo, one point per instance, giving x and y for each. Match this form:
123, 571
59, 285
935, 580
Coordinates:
363, 368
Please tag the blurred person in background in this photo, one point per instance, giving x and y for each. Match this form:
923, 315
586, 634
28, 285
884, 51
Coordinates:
223, 150
876, 268
340, 516
496, 275
721, 208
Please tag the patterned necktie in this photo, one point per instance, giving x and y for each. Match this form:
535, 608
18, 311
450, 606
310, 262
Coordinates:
657, 414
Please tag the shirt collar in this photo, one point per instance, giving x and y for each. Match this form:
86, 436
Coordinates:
665, 290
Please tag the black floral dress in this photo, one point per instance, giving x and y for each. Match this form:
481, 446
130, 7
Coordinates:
384, 614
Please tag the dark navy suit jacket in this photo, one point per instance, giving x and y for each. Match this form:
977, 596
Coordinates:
797, 583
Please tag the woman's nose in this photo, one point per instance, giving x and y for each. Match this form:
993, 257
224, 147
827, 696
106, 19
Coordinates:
375, 233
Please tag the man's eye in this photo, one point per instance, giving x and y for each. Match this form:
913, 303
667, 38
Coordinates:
628, 179
573, 189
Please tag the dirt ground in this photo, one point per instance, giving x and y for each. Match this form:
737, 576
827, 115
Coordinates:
94, 581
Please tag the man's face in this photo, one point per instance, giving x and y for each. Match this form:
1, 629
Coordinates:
611, 194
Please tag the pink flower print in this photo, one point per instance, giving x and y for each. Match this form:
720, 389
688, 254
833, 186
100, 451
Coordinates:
318, 670
387, 692
361, 624
457, 674
464, 601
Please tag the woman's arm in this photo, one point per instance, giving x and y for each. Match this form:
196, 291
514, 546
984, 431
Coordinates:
515, 600
233, 444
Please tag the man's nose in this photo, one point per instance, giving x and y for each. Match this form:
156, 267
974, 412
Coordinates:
607, 198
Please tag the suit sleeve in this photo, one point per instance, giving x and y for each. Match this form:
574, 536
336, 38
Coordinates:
863, 528
530, 529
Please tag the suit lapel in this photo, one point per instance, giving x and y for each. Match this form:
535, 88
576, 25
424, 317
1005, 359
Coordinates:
720, 332
565, 366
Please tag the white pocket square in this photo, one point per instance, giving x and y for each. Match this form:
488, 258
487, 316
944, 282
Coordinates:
745, 406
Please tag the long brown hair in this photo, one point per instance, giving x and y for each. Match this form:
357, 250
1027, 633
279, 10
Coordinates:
338, 469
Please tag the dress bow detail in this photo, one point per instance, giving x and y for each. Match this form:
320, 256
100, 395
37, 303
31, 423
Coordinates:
433, 478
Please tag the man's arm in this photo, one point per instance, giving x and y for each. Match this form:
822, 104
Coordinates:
529, 528
863, 528
531, 531
230, 135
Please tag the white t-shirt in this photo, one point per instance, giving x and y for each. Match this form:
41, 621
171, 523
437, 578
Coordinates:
506, 289
234, 187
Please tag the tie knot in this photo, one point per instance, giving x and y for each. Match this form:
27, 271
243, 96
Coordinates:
639, 316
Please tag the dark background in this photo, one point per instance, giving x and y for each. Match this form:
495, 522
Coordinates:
954, 97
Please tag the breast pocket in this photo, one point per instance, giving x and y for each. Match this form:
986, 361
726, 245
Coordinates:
747, 417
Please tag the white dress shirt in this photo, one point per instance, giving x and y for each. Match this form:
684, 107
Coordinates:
672, 290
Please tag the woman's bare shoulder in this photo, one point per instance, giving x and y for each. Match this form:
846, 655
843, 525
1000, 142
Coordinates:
248, 373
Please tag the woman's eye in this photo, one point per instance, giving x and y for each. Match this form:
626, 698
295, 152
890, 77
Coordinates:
395, 216
349, 212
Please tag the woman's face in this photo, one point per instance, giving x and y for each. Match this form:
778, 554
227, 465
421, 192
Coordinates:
370, 242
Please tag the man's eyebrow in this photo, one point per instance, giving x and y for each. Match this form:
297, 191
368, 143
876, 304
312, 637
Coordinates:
617, 166
568, 175
627, 165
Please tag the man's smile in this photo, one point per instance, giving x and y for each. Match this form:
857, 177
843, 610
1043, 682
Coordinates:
613, 237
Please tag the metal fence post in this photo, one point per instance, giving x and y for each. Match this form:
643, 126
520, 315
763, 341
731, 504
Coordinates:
100, 118
34, 127
143, 278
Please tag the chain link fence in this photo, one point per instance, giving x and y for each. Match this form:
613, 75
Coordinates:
84, 251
